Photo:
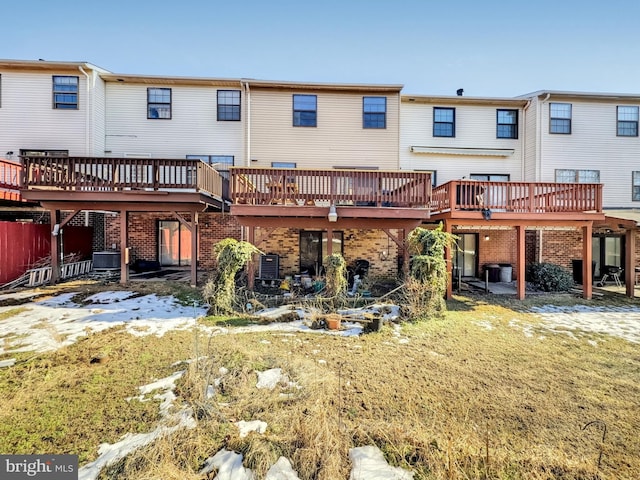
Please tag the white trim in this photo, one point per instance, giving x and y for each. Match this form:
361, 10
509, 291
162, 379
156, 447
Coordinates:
487, 152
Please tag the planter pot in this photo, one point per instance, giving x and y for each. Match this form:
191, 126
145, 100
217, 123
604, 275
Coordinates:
333, 322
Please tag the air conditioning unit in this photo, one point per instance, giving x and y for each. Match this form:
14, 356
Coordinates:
106, 260
269, 267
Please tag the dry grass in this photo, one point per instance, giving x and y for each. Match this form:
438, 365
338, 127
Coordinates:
457, 401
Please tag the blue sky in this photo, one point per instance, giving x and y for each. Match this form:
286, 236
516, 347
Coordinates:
489, 48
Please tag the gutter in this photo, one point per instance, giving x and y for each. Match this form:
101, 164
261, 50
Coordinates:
539, 172
87, 142
523, 148
248, 124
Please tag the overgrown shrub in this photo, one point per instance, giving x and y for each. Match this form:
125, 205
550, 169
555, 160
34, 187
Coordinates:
231, 256
427, 284
549, 277
336, 279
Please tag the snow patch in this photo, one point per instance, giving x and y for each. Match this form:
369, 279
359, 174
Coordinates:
369, 464
282, 470
228, 465
254, 426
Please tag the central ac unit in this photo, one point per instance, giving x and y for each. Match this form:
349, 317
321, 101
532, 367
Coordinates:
269, 267
106, 260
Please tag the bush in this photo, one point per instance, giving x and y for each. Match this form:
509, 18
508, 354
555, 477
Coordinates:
549, 277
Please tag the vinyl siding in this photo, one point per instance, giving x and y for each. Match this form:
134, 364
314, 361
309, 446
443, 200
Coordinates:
192, 129
475, 127
98, 117
29, 120
338, 139
531, 173
593, 145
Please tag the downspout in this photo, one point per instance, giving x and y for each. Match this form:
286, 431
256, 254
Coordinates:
248, 124
539, 172
247, 161
87, 143
540, 133
523, 148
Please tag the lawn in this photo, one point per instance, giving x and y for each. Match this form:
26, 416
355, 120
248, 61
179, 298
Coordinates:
488, 391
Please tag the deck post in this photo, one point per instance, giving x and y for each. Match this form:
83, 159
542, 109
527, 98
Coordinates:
56, 245
447, 258
329, 242
251, 267
194, 249
521, 262
587, 269
124, 260
630, 261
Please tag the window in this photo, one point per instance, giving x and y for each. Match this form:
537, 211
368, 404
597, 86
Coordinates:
305, 110
43, 153
507, 124
159, 103
636, 186
627, 121
433, 175
491, 177
220, 162
444, 122
228, 105
560, 118
65, 92
283, 165
577, 176
374, 112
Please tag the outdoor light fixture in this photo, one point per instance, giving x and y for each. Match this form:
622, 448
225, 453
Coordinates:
333, 214
384, 254
486, 237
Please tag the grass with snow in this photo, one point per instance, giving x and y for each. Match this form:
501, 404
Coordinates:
486, 392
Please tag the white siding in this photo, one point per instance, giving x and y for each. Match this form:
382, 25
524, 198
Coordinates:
192, 129
29, 120
531, 173
475, 127
339, 138
593, 145
98, 117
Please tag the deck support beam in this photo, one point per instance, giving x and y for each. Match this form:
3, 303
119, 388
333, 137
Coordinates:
521, 262
630, 262
587, 257
56, 245
124, 251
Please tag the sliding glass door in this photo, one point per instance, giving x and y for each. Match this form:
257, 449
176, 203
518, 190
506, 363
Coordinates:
174, 243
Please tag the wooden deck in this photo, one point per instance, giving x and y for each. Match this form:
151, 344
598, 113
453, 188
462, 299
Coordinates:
10, 175
118, 179
300, 198
512, 200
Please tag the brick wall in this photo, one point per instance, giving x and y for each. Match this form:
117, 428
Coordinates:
213, 227
561, 246
143, 234
358, 244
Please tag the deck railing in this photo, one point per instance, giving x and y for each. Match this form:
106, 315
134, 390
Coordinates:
271, 186
522, 197
10, 176
117, 174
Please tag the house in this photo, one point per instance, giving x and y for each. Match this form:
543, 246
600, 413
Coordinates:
547, 154
592, 137
323, 175
168, 166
